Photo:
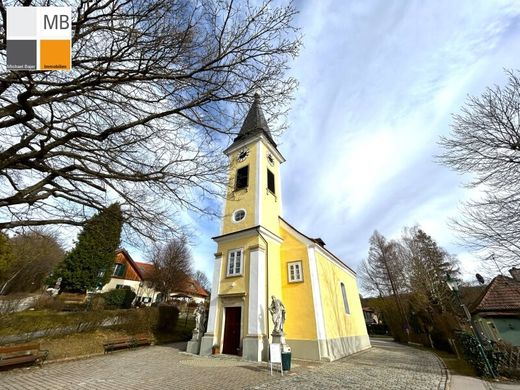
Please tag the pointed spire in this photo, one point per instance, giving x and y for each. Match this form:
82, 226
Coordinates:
255, 123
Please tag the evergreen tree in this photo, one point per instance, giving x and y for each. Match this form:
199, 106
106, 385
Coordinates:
428, 265
90, 263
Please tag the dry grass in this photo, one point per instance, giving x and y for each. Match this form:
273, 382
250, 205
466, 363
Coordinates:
91, 343
79, 344
456, 366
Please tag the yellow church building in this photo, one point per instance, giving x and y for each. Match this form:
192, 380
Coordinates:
260, 255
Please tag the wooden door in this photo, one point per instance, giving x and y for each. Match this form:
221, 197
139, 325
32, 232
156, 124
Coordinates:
232, 331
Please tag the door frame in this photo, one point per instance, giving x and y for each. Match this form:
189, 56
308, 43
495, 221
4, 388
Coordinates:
232, 302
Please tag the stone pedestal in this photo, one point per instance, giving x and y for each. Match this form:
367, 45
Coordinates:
279, 338
206, 344
194, 343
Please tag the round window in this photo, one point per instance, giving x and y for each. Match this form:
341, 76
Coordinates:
239, 215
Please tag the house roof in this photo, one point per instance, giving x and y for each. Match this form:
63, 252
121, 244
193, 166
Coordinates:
501, 295
191, 287
255, 123
146, 269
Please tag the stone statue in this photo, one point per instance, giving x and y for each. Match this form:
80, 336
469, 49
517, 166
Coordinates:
277, 310
200, 317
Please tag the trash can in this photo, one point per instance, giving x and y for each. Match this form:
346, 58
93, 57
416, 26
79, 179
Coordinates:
286, 361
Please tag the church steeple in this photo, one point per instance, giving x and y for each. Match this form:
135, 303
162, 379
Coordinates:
255, 123
254, 190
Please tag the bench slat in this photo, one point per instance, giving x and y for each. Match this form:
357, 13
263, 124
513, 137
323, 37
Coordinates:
128, 342
17, 348
19, 360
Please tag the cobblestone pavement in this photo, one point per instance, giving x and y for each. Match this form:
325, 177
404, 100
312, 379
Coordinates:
386, 366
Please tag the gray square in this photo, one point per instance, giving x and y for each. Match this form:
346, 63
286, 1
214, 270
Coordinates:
21, 54
22, 22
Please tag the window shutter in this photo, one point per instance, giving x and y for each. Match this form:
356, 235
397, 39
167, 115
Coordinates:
231, 265
297, 271
238, 262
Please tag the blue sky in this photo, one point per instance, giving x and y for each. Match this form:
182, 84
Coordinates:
379, 81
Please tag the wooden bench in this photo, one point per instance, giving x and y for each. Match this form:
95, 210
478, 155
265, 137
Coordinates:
72, 301
24, 353
127, 342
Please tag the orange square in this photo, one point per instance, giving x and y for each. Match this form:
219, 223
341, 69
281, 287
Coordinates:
55, 54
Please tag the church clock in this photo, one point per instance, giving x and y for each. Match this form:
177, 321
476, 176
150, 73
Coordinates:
242, 155
270, 159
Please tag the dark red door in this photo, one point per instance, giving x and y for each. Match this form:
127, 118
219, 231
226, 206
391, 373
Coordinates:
232, 331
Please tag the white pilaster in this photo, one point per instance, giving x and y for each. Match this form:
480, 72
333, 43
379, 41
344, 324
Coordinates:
253, 346
316, 298
259, 187
209, 339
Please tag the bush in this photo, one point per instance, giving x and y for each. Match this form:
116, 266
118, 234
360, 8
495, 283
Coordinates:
168, 317
119, 299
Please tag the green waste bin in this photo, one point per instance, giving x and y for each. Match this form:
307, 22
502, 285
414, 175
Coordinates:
286, 361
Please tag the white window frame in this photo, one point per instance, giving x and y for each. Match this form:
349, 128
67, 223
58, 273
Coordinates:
232, 263
234, 214
298, 271
115, 269
343, 290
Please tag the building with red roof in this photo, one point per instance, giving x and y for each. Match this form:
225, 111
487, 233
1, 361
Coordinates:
497, 310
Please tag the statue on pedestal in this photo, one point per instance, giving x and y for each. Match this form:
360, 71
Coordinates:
200, 318
277, 310
200, 324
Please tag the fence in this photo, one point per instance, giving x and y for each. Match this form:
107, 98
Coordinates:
506, 359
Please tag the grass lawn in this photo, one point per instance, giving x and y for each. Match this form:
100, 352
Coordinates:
85, 343
456, 366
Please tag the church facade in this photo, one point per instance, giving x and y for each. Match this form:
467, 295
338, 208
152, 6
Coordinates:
261, 255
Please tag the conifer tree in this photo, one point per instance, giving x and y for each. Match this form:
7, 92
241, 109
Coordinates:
90, 263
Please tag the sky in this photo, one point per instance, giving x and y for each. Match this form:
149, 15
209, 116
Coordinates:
379, 81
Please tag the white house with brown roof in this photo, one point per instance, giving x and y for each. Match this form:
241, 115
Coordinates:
134, 275
137, 276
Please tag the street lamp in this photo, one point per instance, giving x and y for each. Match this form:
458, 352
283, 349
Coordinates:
453, 285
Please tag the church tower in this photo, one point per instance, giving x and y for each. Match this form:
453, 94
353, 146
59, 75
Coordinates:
249, 243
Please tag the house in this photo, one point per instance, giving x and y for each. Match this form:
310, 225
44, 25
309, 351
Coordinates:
370, 316
497, 311
136, 276
260, 254
190, 290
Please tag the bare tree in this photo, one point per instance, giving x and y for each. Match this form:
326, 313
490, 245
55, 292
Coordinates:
485, 143
34, 255
172, 266
383, 272
156, 88
202, 279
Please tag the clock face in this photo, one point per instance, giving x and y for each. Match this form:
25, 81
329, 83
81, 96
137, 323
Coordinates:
242, 155
270, 158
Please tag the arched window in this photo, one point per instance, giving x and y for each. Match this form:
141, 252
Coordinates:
345, 301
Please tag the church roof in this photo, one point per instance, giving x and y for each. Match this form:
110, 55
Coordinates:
255, 123
320, 243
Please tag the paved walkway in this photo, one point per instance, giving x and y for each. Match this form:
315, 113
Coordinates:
386, 366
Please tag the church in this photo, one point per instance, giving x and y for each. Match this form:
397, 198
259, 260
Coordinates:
261, 255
